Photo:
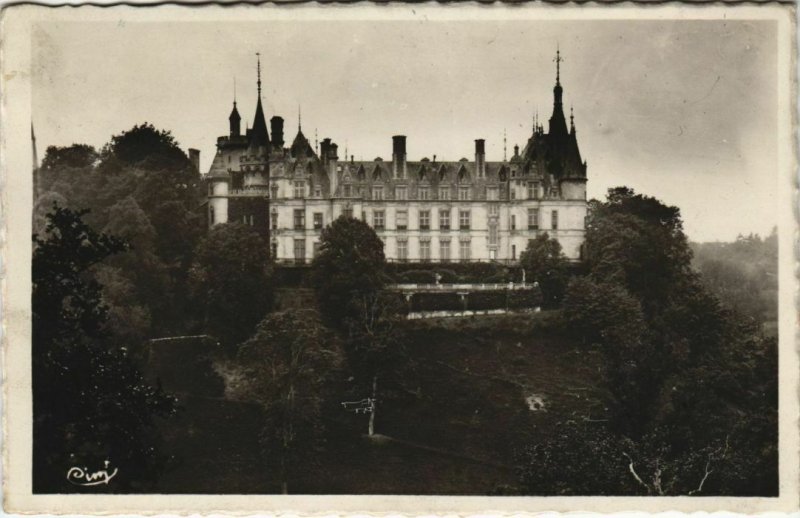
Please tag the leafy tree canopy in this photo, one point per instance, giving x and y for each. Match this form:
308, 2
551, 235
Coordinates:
349, 265
68, 157
146, 147
90, 402
288, 365
231, 280
545, 263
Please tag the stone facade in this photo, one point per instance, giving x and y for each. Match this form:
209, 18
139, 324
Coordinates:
426, 210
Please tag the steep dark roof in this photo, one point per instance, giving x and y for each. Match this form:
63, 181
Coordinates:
300, 146
259, 136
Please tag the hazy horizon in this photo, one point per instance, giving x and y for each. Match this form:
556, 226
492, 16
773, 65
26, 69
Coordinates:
685, 111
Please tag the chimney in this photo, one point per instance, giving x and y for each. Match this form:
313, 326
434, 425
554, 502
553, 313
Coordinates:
516, 150
323, 150
480, 157
399, 156
276, 125
194, 158
434, 159
333, 157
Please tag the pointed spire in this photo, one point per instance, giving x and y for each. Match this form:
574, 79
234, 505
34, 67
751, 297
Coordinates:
258, 57
571, 119
505, 153
260, 135
558, 59
234, 119
299, 120
316, 141
558, 125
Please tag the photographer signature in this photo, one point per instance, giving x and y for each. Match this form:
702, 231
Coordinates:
82, 476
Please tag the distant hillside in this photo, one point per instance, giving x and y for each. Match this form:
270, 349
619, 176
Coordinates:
742, 273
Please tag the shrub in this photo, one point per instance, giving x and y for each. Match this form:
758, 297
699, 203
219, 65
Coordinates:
487, 300
416, 277
436, 302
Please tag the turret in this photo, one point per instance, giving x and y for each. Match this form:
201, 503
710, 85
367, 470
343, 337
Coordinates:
558, 126
235, 121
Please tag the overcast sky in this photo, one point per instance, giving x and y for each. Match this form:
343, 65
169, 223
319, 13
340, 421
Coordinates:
684, 111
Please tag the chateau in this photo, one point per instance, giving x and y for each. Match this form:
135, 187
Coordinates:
426, 210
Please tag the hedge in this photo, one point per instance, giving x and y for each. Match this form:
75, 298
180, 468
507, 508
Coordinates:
459, 272
477, 300
436, 302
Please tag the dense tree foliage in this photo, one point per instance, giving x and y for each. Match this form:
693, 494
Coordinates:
76, 156
694, 385
288, 365
349, 266
91, 404
743, 274
231, 280
143, 187
349, 275
545, 263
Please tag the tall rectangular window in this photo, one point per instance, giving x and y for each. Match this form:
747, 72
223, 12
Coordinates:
424, 220
533, 219
378, 220
317, 220
299, 189
494, 209
444, 219
315, 249
444, 193
317, 191
400, 193
531, 190
402, 249
464, 250
299, 219
425, 250
423, 193
513, 222
273, 219
444, 250
299, 250
463, 193
512, 193
348, 191
401, 220
492, 193
377, 192
463, 220
493, 238
554, 219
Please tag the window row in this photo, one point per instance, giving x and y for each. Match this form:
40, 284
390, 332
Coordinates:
401, 219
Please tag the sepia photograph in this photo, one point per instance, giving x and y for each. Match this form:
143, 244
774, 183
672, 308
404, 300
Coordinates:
407, 251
